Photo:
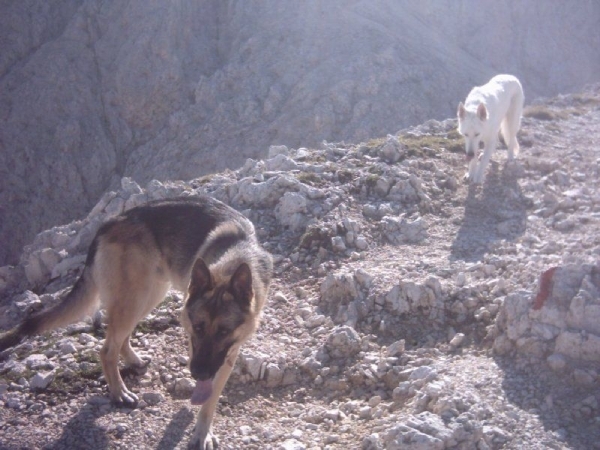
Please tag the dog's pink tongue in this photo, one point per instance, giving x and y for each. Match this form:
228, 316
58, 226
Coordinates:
202, 392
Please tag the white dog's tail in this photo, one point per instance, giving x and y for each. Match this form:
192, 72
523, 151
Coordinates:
512, 122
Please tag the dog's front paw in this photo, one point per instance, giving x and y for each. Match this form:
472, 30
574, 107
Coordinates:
203, 441
125, 398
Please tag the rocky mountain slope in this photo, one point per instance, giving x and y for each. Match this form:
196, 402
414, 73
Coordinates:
408, 310
91, 92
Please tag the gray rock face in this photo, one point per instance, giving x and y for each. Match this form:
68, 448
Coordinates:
564, 324
91, 92
474, 337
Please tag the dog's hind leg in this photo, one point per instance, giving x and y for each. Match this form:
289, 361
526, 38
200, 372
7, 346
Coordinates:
130, 287
203, 438
510, 138
511, 125
109, 355
123, 315
154, 295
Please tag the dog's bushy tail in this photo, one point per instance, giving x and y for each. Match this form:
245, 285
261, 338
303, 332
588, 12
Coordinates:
79, 302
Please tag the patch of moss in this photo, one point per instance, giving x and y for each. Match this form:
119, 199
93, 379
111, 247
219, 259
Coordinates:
91, 356
429, 145
63, 381
372, 179
310, 178
454, 135
314, 158
375, 170
93, 369
552, 126
153, 326
374, 143
13, 377
542, 112
344, 176
201, 181
586, 99
314, 235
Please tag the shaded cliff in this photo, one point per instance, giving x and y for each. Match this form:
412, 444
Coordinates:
93, 91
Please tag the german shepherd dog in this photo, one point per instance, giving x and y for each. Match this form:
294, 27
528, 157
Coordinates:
195, 244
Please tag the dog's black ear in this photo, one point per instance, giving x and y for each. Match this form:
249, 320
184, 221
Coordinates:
241, 285
482, 112
461, 111
201, 280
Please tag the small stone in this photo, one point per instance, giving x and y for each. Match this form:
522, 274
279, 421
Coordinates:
274, 375
337, 244
457, 340
332, 439
152, 398
396, 348
67, 348
343, 342
374, 401
291, 444
279, 297
423, 373
402, 392
365, 412
184, 387
85, 338
41, 380
582, 377
38, 361
361, 243
332, 414
556, 362
256, 364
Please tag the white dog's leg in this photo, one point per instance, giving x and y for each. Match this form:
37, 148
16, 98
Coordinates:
511, 124
490, 146
471, 170
513, 146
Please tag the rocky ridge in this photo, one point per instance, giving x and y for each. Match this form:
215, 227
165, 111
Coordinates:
408, 310
91, 92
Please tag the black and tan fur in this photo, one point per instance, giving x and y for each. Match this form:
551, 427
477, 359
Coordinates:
195, 244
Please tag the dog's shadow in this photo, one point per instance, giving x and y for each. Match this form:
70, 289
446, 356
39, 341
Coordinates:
82, 430
175, 430
495, 211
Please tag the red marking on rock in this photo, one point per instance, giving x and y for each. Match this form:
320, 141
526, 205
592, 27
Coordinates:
546, 283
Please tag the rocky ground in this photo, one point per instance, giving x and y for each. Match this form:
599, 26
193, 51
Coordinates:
405, 313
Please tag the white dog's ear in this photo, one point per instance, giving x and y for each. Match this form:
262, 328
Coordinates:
482, 112
461, 112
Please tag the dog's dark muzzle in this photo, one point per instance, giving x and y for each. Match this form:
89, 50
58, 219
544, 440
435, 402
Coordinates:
201, 372
205, 363
205, 369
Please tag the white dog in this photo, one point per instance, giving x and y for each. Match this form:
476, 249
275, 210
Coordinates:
495, 106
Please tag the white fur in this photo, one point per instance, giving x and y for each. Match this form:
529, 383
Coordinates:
495, 106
